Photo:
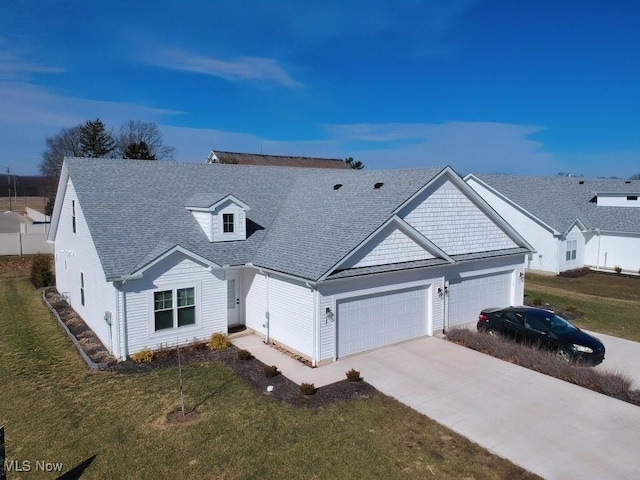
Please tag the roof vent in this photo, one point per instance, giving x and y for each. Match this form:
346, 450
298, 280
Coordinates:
628, 182
337, 186
581, 182
378, 185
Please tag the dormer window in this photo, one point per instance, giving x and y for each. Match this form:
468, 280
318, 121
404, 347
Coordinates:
227, 223
223, 218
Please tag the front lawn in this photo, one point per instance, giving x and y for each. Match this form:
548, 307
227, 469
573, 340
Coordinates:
595, 296
114, 425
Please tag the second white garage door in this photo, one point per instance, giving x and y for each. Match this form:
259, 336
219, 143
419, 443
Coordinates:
377, 320
468, 296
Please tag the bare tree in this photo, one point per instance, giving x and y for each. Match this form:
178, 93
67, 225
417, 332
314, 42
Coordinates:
67, 143
135, 133
355, 164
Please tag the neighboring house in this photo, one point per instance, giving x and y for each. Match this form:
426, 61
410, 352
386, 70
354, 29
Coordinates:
235, 158
326, 263
571, 222
24, 234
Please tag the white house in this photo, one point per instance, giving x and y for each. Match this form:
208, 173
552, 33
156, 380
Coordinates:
326, 263
571, 222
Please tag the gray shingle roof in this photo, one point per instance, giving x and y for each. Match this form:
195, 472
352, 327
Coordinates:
298, 223
560, 201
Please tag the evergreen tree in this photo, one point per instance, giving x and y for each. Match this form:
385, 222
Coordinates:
138, 151
96, 140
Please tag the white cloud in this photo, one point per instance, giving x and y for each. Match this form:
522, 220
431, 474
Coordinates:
13, 65
242, 68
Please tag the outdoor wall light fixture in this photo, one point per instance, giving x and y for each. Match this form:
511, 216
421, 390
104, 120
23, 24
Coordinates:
329, 315
443, 291
521, 275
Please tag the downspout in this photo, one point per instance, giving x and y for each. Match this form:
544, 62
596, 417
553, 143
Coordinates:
316, 323
267, 314
123, 330
117, 319
598, 257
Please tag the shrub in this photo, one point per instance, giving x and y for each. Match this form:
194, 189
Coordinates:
219, 341
143, 356
537, 301
617, 269
613, 384
307, 389
244, 355
41, 274
270, 371
353, 375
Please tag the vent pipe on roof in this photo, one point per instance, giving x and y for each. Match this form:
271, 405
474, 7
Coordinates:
337, 186
378, 185
581, 182
628, 182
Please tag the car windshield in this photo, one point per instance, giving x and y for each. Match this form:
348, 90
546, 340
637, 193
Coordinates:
560, 326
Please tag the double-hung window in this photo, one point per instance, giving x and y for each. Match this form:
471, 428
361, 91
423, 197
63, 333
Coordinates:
82, 288
174, 308
572, 248
227, 223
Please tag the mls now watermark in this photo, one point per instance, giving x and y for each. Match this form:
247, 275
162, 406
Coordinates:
31, 466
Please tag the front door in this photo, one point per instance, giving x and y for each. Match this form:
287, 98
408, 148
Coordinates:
234, 293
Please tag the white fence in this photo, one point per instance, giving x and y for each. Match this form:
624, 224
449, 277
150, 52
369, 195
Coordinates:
24, 243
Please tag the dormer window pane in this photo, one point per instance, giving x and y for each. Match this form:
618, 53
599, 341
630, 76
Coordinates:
227, 222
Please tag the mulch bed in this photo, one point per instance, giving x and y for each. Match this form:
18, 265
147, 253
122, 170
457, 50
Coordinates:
251, 371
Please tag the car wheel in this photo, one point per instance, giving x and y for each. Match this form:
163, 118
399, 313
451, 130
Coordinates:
564, 355
493, 332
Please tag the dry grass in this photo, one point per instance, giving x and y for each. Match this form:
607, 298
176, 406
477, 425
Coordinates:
117, 426
613, 384
19, 204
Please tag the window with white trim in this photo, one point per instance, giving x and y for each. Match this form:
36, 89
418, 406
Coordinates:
82, 288
73, 215
572, 249
174, 308
227, 223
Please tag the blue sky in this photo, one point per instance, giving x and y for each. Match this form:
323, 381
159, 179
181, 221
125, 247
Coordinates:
484, 86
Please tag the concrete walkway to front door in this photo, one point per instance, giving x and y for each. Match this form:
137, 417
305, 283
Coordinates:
550, 427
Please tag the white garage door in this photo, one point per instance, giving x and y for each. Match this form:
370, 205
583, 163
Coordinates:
377, 320
468, 296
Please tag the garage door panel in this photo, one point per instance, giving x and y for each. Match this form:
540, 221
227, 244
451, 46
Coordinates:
468, 296
370, 322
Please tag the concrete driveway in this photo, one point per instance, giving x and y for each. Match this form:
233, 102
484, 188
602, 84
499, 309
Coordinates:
622, 356
550, 427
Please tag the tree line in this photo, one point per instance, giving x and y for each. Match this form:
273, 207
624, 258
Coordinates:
135, 140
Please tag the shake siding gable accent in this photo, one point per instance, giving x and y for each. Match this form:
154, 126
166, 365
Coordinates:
75, 254
176, 271
447, 217
291, 315
389, 246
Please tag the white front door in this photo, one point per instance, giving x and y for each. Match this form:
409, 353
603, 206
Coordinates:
234, 294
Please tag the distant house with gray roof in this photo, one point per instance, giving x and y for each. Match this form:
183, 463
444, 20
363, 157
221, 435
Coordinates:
236, 158
571, 222
324, 262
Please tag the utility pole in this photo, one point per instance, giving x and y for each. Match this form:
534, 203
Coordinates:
9, 187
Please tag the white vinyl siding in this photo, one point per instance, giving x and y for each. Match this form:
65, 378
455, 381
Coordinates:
255, 286
291, 315
175, 273
239, 231
75, 253
447, 217
609, 249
